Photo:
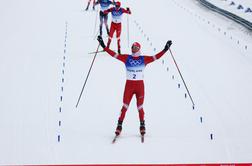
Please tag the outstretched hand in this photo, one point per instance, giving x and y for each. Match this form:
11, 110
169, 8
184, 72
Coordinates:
167, 45
100, 40
128, 9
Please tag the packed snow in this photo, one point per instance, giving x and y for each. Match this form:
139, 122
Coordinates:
45, 59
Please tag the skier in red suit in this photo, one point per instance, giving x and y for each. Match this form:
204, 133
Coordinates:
135, 64
116, 25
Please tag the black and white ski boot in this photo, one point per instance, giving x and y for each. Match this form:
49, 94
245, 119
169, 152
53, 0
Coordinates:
142, 127
118, 128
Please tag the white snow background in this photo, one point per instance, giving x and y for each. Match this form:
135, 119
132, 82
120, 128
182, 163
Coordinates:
44, 62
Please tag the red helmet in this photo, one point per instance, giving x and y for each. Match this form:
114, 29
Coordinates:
118, 4
135, 47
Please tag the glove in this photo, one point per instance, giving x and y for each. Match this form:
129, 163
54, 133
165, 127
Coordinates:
168, 44
128, 9
100, 40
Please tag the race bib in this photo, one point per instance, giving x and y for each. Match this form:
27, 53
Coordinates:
135, 68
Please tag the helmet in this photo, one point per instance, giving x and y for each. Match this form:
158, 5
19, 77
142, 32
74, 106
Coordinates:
135, 47
118, 4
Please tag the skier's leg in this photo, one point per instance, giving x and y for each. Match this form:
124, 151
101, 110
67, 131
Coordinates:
93, 4
118, 34
88, 4
128, 93
101, 22
140, 101
127, 96
106, 23
112, 30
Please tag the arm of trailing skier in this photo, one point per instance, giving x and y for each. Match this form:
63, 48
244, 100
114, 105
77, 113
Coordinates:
128, 11
107, 11
121, 57
149, 59
112, 3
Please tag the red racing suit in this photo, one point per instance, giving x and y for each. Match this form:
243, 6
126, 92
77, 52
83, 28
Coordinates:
116, 23
134, 83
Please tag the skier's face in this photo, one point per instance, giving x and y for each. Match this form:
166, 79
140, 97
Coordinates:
118, 5
135, 49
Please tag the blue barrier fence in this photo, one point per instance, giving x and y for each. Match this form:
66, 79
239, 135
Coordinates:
228, 14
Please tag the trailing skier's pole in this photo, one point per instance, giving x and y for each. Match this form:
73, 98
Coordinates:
128, 29
87, 76
182, 77
97, 33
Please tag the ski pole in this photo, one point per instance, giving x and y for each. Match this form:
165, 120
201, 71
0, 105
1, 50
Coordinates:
97, 33
128, 29
181, 77
87, 76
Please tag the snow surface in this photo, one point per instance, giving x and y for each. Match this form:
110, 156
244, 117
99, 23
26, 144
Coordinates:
44, 62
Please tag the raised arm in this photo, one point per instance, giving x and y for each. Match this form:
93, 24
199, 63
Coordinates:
128, 11
108, 10
149, 59
120, 57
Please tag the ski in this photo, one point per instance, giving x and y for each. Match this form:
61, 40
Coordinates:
116, 136
142, 138
114, 140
